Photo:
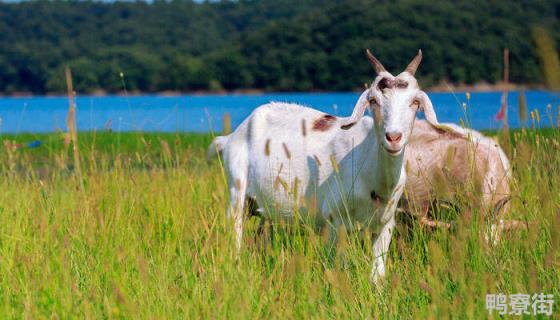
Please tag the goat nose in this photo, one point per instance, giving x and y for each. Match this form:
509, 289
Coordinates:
393, 136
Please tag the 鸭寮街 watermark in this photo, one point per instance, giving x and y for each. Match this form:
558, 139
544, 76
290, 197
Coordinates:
520, 304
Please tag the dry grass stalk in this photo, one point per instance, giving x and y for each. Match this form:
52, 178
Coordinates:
522, 108
506, 88
71, 124
548, 56
227, 123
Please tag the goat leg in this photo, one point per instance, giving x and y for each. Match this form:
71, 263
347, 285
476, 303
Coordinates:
427, 222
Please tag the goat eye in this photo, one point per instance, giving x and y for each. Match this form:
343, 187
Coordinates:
383, 84
372, 101
415, 103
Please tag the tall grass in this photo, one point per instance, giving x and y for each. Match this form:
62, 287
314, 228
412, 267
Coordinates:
147, 238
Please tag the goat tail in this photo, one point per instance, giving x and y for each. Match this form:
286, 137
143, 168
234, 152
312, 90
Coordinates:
215, 148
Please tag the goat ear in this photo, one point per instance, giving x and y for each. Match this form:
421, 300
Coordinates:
358, 112
428, 108
430, 114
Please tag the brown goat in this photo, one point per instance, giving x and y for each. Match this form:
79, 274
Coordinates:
443, 162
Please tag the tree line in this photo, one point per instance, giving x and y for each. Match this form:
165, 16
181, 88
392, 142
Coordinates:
279, 45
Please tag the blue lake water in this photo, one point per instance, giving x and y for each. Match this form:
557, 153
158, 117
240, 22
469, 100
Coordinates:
203, 113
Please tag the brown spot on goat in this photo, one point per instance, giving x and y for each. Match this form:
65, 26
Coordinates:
387, 83
324, 123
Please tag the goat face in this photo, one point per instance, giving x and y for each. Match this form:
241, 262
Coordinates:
393, 102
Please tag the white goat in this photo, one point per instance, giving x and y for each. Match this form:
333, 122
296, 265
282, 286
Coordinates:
286, 156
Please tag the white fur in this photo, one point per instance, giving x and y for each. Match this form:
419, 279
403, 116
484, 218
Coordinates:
343, 198
276, 157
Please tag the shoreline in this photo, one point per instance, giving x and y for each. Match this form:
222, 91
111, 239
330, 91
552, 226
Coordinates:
443, 87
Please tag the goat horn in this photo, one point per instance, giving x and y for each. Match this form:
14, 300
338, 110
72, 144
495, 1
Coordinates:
413, 65
376, 64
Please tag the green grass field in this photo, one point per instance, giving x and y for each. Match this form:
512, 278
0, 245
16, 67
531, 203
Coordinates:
143, 234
